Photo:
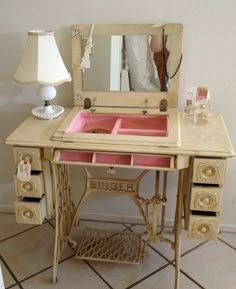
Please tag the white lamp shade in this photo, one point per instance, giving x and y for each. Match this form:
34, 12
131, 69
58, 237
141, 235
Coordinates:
41, 62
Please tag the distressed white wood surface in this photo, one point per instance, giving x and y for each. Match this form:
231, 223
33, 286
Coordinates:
210, 139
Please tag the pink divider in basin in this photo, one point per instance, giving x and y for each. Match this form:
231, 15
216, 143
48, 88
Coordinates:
118, 159
152, 161
75, 156
141, 125
89, 122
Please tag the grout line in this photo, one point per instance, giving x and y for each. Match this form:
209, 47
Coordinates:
164, 257
45, 269
232, 247
13, 286
147, 276
11, 273
194, 248
50, 224
193, 280
35, 274
96, 272
20, 233
128, 227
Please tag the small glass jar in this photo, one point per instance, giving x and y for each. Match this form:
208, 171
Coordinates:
202, 111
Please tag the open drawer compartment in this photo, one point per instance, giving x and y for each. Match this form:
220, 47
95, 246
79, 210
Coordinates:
92, 158
164, 162
73, 156
114, 159
157, 161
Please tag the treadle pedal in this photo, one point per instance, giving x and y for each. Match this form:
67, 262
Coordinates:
111, 246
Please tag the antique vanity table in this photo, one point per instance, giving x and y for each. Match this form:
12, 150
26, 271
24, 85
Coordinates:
140, 130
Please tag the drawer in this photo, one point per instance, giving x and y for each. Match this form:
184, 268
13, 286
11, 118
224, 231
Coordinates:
33, 188
33, 155
203, 227
205, 198
116, 159
157, 161
30, 210
209, 171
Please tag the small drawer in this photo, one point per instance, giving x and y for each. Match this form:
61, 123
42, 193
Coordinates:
209, 171
33, 155
33, 188
205, 198
30, 210
113, 159
203, 227
158, 161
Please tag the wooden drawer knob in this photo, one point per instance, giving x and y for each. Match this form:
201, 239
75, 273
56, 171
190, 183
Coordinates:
203, 229
27, 158
27, 187
209, 171
206, 200
28, 214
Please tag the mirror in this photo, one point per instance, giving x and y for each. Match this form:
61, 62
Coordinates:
128, 64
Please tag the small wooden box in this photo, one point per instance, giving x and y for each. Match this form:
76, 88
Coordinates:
30, 210
33, 188
211, 171
203, 227
206, 198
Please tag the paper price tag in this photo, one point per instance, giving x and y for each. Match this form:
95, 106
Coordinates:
24, 171
87, 63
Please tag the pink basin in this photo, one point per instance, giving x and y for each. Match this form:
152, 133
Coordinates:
90, 123
121, 124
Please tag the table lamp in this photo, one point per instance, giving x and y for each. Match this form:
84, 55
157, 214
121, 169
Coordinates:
42, 63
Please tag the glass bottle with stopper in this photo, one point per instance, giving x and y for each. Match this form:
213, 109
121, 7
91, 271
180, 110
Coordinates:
188, 105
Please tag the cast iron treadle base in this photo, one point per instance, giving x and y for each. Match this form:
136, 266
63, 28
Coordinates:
111, 246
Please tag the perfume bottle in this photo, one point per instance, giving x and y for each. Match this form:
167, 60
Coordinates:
188, 107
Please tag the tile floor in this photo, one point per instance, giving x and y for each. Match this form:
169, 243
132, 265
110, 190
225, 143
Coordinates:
26, 260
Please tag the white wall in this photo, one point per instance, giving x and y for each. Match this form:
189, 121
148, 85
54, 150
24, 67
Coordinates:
209, 58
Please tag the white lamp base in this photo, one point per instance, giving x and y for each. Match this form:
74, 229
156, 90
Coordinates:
48, 112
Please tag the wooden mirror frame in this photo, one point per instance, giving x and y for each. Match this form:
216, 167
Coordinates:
128, 98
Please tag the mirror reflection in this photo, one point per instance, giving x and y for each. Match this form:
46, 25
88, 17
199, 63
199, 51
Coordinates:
127, 63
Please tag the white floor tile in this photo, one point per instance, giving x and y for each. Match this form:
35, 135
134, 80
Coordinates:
30, 252
213, 265
119, 276
73, 274
230, 238
165, 279
9, 227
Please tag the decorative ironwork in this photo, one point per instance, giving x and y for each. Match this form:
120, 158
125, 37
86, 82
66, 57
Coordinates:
64, 211
114, 246
111, 246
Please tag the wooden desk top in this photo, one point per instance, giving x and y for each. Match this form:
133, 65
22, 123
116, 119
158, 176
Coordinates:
209, 140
